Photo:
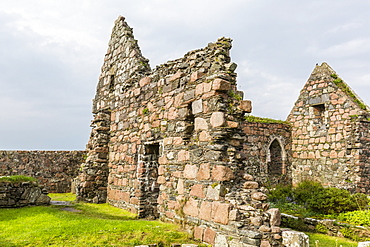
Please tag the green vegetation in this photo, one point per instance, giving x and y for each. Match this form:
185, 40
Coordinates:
235, 96
358, 217
145, 111
254, 119
69, 197
311, 198
84, 225
321, 240
344, 87
17, 179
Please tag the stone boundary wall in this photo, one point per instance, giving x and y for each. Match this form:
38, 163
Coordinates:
261, 140
13, 195
53, 169
331, 227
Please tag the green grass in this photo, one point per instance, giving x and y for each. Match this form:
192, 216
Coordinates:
328, 241
17, 179
92, 225
62, 196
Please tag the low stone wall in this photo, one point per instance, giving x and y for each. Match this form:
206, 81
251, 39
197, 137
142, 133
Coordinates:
330, 227
14, 195
53, 169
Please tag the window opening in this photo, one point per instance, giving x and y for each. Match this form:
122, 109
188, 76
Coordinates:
275, 161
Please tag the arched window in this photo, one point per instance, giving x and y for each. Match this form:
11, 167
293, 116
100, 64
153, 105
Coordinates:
275, 158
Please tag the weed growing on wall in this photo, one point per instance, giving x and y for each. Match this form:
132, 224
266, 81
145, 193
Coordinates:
344, 87
17, 179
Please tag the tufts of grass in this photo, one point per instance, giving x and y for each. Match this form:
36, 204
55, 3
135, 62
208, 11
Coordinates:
254, 119
321, 240
90, 225
17, 179
344, 87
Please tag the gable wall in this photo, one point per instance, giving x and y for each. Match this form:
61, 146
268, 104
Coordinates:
324, 147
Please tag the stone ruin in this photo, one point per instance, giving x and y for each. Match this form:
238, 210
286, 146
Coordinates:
173, 143
20, 194
330, 133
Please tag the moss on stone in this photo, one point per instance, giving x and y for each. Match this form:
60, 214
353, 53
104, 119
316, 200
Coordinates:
17, 179
345, 88
254, 119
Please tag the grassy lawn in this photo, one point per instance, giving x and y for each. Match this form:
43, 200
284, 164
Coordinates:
327, 241
91, 225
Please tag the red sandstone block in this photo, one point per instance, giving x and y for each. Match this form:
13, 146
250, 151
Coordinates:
161, 170
246, 106
199, 89
170, 214
220, 85
183, 155
134, 201
265, 243
222, 173
205, 210
175, 76
162, 160
197, 190
125, 196
161, 180
209, 236
198, 232
191, 208
232, 124
209, 94
144, 81
195, 76
259, 196
250, 185
173, 205
220, 212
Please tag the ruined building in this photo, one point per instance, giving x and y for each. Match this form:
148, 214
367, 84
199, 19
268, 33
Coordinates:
172, 143
330, 133
175, 143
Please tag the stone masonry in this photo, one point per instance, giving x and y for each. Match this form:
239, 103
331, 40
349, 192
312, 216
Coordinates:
22, 194
55, 170
330, 133
168, 143
267, 152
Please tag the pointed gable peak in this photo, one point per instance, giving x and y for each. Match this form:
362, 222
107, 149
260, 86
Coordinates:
322, 72
325, 73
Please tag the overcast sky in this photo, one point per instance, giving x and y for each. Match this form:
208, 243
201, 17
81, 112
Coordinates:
52, 51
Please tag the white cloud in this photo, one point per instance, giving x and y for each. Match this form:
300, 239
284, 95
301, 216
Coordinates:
52, 52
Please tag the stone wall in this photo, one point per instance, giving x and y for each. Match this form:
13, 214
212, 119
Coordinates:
267, 152
53, 169
363, 144
22, 194
329, 143
168, 143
